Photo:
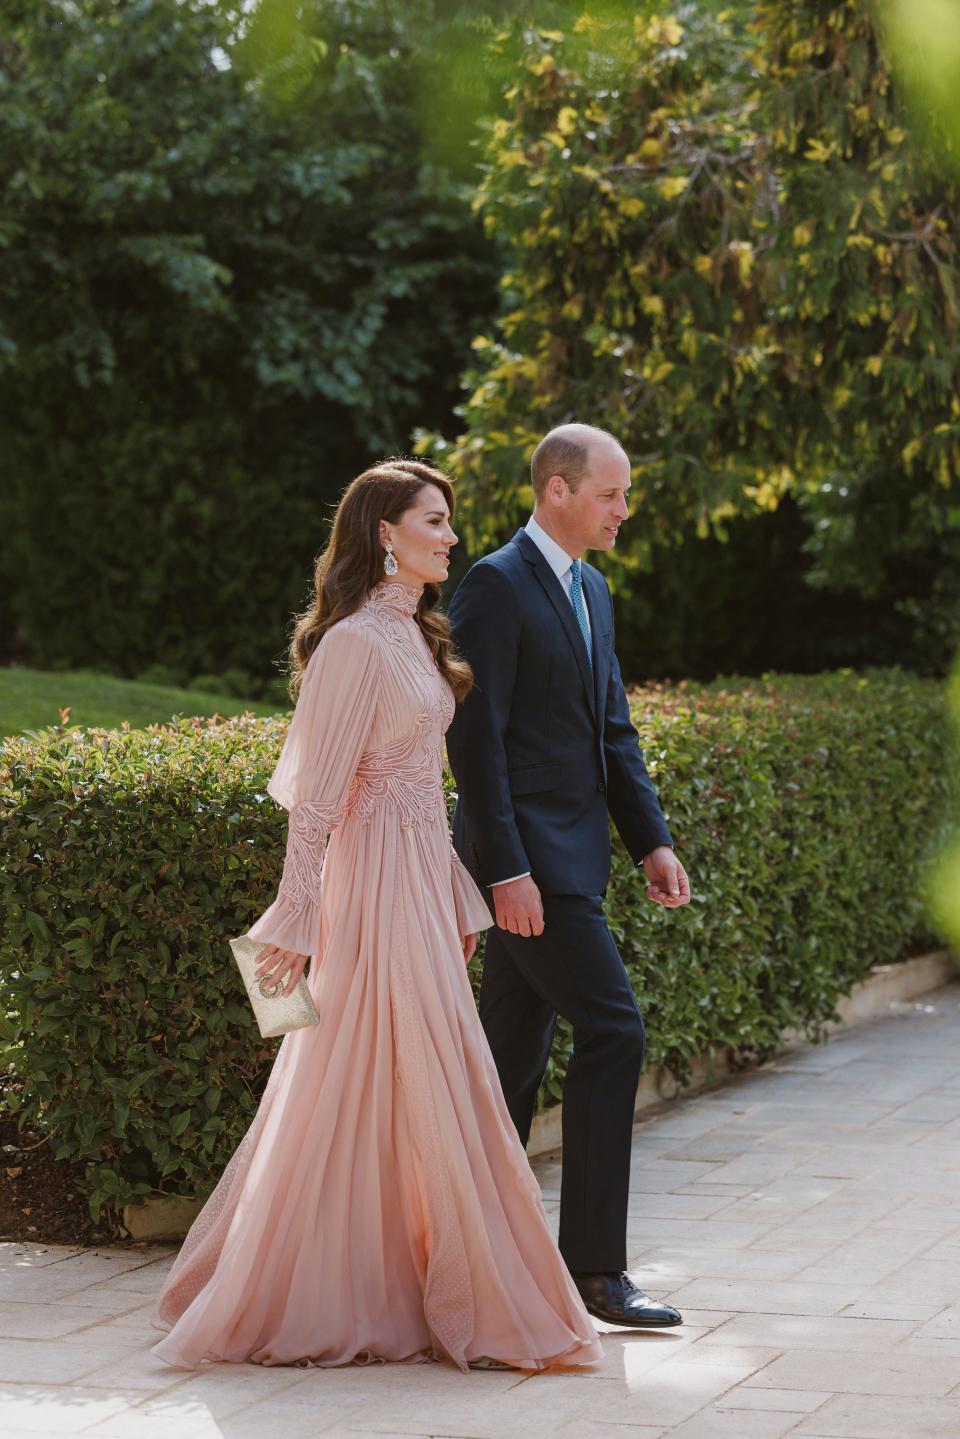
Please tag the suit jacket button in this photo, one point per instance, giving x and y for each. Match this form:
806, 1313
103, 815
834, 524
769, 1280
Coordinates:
601, 788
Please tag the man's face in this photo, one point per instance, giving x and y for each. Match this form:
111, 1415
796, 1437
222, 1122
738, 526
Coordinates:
593, 514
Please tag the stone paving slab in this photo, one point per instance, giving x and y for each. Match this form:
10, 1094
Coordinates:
805, 1217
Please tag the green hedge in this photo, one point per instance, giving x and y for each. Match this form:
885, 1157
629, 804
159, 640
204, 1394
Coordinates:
805, 809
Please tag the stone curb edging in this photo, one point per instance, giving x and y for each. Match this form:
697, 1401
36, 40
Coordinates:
872, 998
162, 1218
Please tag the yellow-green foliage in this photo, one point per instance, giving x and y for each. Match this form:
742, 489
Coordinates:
945, 885
923, 38
727, 251
804, 809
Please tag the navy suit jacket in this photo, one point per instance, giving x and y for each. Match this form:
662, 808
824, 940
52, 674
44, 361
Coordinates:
542, 749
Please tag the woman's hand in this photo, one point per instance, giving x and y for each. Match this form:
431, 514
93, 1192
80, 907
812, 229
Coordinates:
469, 942
279, 964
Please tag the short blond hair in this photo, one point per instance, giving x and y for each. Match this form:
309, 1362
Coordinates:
565, 451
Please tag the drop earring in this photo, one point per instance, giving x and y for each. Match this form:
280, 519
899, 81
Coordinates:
390, 565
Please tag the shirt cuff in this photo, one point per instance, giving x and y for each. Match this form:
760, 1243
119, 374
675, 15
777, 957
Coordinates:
497, 882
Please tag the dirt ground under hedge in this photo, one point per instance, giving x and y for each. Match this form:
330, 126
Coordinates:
40, 1197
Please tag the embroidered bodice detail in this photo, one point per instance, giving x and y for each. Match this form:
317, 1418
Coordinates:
406, 773
397, 598
309, 828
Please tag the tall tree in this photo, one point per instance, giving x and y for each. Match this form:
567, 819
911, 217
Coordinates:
724, 247
864, 296
228, 281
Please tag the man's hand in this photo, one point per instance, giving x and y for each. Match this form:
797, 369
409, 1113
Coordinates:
279, 964
667, 882
519, 907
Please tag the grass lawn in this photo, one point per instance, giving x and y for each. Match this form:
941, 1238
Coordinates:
31, 699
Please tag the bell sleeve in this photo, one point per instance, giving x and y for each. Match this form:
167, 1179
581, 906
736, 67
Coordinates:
327, 735
472, 912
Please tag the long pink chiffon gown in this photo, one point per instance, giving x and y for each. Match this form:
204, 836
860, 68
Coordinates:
380, 1206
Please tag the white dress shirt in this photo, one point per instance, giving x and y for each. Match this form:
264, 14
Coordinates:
562, 565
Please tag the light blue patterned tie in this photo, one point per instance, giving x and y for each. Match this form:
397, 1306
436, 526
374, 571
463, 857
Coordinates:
576, 595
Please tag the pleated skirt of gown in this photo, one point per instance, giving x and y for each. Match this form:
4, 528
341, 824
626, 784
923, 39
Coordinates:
380, 1206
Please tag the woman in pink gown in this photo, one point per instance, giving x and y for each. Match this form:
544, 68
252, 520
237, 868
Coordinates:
380, 1206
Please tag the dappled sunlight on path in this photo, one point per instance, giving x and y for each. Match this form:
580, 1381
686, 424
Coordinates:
804, 1218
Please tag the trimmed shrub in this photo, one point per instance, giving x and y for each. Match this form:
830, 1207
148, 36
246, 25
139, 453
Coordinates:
128, 857
806, 811
804, 808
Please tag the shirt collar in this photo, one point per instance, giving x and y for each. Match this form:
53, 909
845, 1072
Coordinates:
554, 554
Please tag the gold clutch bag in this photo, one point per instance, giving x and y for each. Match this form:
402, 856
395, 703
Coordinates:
276, 1010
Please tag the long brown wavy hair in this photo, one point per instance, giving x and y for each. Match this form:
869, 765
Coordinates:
352, 564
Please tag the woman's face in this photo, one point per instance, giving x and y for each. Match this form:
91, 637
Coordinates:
421, 539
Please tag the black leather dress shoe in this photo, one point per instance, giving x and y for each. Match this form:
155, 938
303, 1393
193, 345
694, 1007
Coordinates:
615, 1299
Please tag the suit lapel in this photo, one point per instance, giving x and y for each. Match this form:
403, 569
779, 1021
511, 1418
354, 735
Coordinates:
565, 613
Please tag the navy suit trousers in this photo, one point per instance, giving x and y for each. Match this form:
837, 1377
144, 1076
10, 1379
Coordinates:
573, 969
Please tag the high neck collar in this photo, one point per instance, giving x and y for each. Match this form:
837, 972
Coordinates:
399, 599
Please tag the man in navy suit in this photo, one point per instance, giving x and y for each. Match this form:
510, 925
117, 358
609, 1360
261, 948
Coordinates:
543, 750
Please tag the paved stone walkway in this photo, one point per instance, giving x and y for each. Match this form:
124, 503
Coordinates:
806, 1218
